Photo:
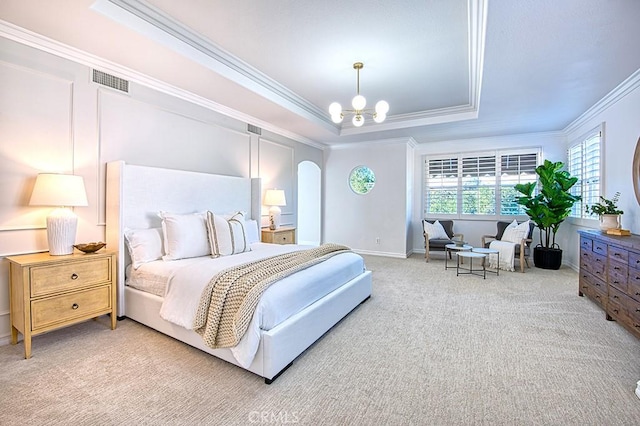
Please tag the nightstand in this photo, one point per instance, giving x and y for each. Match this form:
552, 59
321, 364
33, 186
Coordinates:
49, 292
282, 235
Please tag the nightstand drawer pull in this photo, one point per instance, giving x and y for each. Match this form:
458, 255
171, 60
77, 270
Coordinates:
74, 276
74, 306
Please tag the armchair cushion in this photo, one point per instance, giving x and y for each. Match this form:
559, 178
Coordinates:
435, 230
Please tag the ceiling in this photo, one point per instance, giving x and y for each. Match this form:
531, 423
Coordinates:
449, 69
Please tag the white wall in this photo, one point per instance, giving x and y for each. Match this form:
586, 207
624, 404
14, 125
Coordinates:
54, 119
376, 222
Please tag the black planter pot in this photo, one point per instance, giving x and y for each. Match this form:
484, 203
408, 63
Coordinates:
547, 258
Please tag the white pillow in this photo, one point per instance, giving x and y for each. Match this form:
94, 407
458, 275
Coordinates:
251, 228
145, 245
185, 235
515, 234
435, 231
227, 235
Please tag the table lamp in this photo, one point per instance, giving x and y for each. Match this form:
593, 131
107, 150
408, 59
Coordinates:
61, 191
274, 198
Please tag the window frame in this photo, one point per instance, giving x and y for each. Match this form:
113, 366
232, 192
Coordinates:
459, 156
584, 218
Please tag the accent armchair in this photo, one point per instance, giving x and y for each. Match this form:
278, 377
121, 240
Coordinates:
522, 251
438, 243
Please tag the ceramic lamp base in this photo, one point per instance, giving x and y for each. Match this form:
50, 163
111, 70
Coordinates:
274, 217
61, 231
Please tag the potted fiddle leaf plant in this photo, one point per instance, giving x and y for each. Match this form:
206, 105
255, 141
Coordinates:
548, 208
607, 211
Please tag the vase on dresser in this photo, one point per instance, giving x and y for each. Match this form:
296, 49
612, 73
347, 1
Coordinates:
609, 221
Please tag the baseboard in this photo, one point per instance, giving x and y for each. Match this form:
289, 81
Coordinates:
638, 389
382, 253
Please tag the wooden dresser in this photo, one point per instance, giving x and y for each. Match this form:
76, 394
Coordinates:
610, 275
48, 292
282, 235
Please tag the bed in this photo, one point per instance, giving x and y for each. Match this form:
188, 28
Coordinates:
135, 195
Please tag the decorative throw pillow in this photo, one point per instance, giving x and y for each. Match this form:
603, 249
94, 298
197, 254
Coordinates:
251, 229
515, 234
435, 231
185, 235
145, 245
227, 235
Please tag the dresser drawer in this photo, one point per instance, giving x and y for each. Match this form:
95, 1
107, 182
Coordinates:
618, 254
634, 260
69, 276
617, 275
617, 302
283, 238
633, 284
593, 287
593, 263
600, 248
586, 244
81, 304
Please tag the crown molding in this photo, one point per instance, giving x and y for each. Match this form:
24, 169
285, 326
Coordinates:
40, 42
409, 141
160, 27
623, 89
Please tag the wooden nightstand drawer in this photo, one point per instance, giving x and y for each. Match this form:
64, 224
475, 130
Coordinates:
57, 278
279, 236
60, 309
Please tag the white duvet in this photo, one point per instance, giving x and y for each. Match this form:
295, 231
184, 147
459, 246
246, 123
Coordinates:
185, 280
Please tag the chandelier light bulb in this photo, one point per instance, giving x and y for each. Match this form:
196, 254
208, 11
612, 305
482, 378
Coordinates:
382, 108
358, 102
358, 120
379, 118
335, 109
337, 118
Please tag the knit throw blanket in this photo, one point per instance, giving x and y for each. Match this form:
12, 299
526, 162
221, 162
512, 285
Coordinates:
229, 300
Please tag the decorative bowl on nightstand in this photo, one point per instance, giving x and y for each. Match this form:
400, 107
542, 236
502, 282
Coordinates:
90, 247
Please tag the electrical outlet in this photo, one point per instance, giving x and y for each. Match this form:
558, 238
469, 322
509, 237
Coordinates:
377, 240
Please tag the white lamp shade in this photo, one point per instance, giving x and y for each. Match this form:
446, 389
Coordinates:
359, 102
382, 107
335, 109
274, 197
58, 190
358, 120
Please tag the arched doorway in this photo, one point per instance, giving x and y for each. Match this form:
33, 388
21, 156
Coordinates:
309, 203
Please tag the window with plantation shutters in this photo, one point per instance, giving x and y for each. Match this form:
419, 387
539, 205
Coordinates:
515, 169
477, 185
441, 186
583, 162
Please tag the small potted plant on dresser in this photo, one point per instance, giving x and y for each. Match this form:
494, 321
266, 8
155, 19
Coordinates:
548, 209
607, 211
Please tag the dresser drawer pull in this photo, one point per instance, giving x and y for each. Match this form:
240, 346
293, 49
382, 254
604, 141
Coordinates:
74, 276
597, 260
616, 311
74, 306
637, 309
615, 297
616, 282
616, 268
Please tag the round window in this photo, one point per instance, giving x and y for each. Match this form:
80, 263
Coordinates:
361, 180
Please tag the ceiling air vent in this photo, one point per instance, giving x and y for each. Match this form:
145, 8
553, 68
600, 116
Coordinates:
254, 129
110, 81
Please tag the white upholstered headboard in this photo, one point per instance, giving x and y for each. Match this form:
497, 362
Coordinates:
135, 195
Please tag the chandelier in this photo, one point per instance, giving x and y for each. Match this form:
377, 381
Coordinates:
359, 103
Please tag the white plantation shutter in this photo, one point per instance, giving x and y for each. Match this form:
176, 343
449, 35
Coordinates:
583, 161
441, 186
515, 169
479, 185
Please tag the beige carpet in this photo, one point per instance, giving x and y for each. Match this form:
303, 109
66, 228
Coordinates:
427, 348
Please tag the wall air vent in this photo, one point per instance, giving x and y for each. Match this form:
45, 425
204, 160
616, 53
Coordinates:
110, 81
254, 129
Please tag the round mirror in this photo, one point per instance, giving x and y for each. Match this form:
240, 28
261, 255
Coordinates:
362, 180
